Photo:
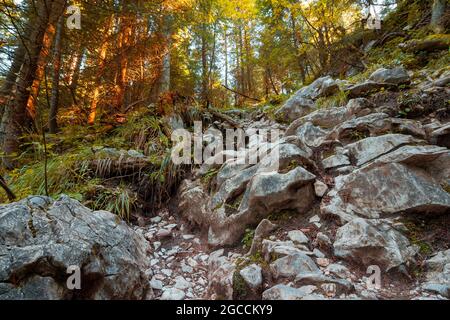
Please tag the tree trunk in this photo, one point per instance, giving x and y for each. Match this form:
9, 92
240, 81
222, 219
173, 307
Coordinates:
124, 44
16, 113
100, 70
11, 77
166, 61
54, 102
40, 71
75, 74
438, 11
205, 81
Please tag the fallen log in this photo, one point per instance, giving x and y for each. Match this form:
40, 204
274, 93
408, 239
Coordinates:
429, 45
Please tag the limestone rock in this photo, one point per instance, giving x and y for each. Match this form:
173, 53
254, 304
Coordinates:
41, 238
293, 265
373, 242
395, 76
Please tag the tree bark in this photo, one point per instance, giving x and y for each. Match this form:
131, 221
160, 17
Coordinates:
100, 71
75, 74
126, 24
54, 102
438, 11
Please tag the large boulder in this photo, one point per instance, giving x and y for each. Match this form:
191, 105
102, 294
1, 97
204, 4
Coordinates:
41, 238
396, 76
322, 87
373, 242
381, 190
302, 102
267, 192
330, 117
296, 107
366, 88
371, 148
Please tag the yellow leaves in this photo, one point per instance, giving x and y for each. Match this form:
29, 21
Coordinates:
178, 5
239, 9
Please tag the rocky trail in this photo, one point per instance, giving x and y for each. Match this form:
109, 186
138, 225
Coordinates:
360, 188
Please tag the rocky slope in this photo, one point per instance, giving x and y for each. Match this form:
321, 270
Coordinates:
361, 186
358, 186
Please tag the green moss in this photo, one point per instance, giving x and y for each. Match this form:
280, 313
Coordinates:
240, 288
414, 231
282, 216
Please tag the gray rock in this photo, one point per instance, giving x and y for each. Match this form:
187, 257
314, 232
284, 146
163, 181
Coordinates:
336, 161
39, 242
366, 88
272, 249
263, 230
338, 270
330, 117
374, 124
317, 279
252, 276
318, 254
156, 284
293, 265
296, 107
267, 193
298, 237
396, 76
320, 188
311, 135
181, 283
283, 292
438, 274
371, 148
173, 294
404, 189
322, 87
373, 242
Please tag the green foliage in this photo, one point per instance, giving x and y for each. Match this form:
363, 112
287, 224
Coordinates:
247, 240
119, 200
240, 288
339, 99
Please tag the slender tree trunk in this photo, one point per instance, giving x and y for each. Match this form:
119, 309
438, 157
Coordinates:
124, 44
205, 81
54, 102
166, 60
295, 41
11, 77
40, 71
226, 56
248, 58
100, 71
75, 74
